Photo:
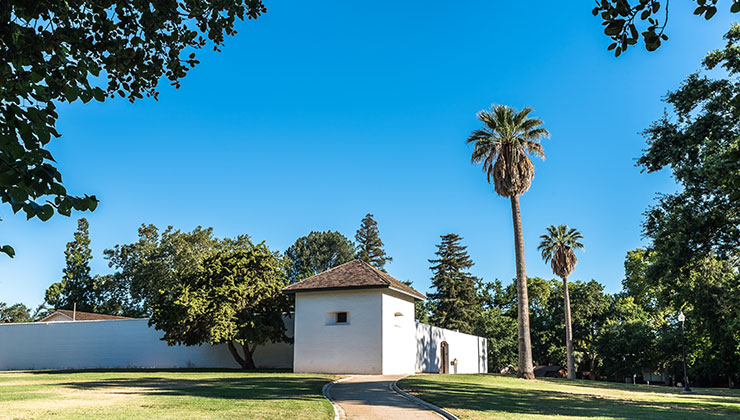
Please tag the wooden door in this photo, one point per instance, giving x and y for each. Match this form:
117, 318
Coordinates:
445, 358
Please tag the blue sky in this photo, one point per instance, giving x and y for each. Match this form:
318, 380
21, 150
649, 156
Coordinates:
318, 113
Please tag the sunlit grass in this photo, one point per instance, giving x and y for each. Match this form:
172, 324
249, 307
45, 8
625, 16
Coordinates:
152, 395
484, 397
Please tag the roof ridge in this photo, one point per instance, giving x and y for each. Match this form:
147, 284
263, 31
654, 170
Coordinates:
375, 271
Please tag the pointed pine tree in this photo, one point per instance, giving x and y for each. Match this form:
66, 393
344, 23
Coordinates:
454, 300
76, 286
369, 246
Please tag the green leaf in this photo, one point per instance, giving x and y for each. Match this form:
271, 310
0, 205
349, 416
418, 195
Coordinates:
99, 94
17, 194
614, 27
8, 250
71, 92
735, 7
710, 12
45, 212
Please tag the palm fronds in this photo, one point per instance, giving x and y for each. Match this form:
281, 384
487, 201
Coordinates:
503, 145
556, 247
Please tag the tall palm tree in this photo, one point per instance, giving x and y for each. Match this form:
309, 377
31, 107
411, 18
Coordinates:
502, 146
557, 248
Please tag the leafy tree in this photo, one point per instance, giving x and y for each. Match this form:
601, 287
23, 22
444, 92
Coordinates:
160, 261
318, 252
547, 327
621, 20
503, 147
628, 341
557, 247
235, 298
500, 330
454, 300
41, 312
14, 313
692, 260
369, 246
57, 51
78, 287
589, 317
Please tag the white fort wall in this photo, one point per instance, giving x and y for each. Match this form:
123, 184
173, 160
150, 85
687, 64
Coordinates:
322, 345
125, 343
468, 350
376, 340
399, 334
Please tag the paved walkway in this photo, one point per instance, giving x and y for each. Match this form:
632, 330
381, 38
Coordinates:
370, 398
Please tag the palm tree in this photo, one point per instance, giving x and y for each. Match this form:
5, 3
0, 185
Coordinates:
502, 146
557, 248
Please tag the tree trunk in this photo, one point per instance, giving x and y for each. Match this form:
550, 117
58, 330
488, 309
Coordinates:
246, 362
593, 367
568, 332
525, 369
248, 353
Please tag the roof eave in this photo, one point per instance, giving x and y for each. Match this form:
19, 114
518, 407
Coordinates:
321, 289
419, 297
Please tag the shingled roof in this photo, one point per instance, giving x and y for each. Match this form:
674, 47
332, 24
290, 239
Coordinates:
82, 316
355, 274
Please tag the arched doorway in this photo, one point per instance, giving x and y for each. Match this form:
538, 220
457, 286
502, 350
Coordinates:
444, 350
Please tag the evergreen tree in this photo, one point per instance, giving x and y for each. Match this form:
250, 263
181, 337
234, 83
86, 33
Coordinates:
369, 246
454, 302
76, 282
98, 294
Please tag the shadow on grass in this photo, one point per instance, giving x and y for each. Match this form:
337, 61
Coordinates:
156, 370
492, 398
253, 385
657, 389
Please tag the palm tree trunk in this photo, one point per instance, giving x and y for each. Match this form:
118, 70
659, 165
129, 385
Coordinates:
525, 368
568, 332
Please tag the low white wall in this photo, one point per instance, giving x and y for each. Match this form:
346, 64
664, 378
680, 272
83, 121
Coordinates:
125, 343
469, 350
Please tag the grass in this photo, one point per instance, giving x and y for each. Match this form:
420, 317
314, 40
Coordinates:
487, 397
157, 394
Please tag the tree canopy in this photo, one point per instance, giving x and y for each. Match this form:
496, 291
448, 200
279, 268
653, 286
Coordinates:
79, 50
234, 298
318, 252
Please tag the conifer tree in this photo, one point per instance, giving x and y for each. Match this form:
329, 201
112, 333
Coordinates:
76, 282
78, 288
454, 301
369, 246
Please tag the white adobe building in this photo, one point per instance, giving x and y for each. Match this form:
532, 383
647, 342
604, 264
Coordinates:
355, 318
352, 319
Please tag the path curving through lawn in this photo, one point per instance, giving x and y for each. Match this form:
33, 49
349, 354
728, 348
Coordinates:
367, 397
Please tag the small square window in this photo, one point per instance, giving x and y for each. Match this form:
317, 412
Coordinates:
341, 317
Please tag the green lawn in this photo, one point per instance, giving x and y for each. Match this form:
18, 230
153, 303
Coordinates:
157, 394
485, 397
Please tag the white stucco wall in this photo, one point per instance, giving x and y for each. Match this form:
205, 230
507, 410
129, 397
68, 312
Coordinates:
124, 343
321, 346
469, 350
399, 334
